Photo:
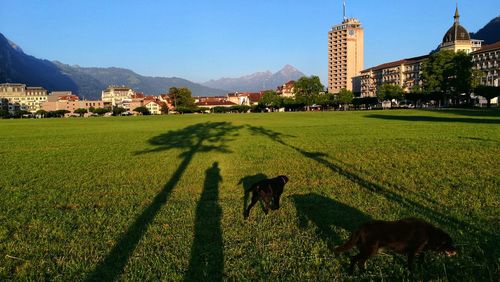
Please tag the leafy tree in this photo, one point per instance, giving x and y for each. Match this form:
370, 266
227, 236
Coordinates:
307, 89
20, 113
476, 78
462, 73
80, 111
4, 114
58, 113
367, 101
345, 97
448, 74
389, 92
291, 104
488, 92
142, 110
42, 113
164, 108
101, 111
182, 97
239, 108
220, 109
327, 100
436, 71
270, 99
258, 108
118, 111
188, 110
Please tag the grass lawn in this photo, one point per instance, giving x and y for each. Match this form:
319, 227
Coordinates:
147, 198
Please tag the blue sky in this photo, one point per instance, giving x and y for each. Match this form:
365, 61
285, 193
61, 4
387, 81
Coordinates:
201, 40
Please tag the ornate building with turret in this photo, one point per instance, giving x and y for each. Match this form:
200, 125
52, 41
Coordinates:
457, 38
407, 72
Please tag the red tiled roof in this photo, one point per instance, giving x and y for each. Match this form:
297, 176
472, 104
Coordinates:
68, 98
215, 103
255, 97
397, 63
138, 96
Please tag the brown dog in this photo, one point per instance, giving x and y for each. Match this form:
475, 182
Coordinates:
267, 190
408, 236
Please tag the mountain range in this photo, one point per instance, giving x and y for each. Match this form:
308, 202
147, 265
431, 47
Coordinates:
18, 67
257, 81
88, 82
490, 33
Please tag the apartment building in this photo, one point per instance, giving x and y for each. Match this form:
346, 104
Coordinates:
487, 60
345, 54
21, 97
287, 90
117, 95
405, 73
72, 102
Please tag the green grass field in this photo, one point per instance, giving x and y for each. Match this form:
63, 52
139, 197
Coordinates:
147, 198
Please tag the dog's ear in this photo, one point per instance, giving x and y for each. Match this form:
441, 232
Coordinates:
284, 178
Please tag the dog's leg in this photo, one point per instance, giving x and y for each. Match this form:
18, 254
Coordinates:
354, 260
255, 199
415, 252
276, 202
360, 260
421, 258
267, 201
411, 257
365, 252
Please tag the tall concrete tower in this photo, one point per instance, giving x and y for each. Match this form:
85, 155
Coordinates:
345, 53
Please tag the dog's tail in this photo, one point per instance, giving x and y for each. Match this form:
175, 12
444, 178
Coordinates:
353, 240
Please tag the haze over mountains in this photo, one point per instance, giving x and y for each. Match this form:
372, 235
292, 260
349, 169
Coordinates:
16, 66
88, 82
257, 81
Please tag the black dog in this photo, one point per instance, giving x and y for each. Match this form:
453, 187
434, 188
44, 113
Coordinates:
408, 236
267, 190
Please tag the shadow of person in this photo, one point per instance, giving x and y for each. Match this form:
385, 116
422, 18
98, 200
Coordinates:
326, 214
207, 256
247, 182
193, 139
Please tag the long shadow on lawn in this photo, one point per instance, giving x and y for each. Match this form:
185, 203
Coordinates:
493, 112
325, 212
197, 138
435, 119
442, 219
207, 256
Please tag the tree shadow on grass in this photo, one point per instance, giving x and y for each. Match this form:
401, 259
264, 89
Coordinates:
470, 112
479, 139
197, 138
435, 119
247, 182
396, 197
207, 255
326, 213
